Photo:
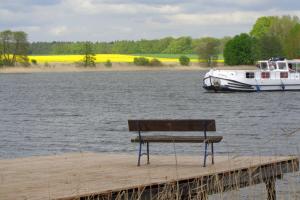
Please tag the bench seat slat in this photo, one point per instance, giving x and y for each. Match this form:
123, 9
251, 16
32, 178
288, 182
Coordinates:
172, 125
178, 139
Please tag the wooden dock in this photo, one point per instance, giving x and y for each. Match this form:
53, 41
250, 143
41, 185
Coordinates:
108, 176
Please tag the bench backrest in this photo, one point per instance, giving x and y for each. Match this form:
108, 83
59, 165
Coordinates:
172, 125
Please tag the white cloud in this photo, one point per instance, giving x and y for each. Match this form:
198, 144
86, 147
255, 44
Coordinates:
28, 28
225, 18
91, 7
242, 2
135, 19
59, 30
8, 16
211, 19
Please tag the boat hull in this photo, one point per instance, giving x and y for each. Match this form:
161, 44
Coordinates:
231, 81
219, 84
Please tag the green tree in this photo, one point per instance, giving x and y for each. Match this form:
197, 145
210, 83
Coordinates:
124, 47
145, 46
240, 50
89, 56
102, 47
163, 44
276, 28
281, 27
268, 46
223, 42
208, 50
13, 48
20, 48
293, 42
262, 26
6, 38
195, 44
180, 45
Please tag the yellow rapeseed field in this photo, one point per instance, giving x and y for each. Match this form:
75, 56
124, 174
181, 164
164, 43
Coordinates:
122, 58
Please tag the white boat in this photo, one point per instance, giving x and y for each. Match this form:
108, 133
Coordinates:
276, 74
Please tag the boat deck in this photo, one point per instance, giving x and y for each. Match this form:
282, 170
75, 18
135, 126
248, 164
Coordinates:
70, 176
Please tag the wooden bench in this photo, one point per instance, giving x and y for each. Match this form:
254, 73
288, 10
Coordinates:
172, 126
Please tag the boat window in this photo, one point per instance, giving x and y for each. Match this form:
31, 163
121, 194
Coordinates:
298, 67
284, 75
265, 75
249, 74
272, 65
281, 65
292, 67
264, 65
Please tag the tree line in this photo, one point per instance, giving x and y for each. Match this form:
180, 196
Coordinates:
270, 36
13, 48
168, 45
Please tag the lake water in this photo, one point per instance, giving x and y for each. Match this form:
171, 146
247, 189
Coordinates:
52, 113
49, 113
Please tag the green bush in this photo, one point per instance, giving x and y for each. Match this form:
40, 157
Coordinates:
46, 64
33, 61
155, 62
108, 63
184, 60
24, 61
141, 61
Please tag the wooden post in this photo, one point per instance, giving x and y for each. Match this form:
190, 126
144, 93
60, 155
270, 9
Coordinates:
271, 190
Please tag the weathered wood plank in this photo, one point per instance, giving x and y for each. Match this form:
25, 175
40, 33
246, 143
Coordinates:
178, 139
172, 125
200, 187
84, 175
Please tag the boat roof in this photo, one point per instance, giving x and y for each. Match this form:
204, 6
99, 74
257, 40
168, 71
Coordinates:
285, 60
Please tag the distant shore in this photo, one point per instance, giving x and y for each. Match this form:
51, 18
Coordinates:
61, 67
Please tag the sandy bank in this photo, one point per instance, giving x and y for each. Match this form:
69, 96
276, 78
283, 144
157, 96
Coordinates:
60, 67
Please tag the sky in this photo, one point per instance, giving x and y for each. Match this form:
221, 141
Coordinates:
110, 20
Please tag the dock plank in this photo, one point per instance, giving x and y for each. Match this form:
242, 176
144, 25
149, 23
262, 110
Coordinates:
71, 175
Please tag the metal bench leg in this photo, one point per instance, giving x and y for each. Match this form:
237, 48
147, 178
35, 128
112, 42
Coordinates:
140, 154
205, 154
212, 154
148, 160
205, 150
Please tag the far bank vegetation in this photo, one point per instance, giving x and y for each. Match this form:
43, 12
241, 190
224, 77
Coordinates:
270, 36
